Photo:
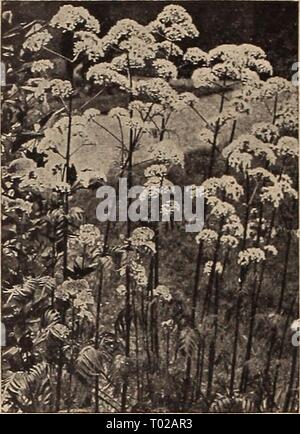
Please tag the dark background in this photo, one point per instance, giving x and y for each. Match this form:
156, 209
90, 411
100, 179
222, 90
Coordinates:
271, 25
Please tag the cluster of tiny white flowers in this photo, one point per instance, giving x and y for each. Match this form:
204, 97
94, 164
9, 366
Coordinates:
265, 131
275, 193
229, 241
41, 65
195, 56
209, 265
251, 144
287, 146
103, 73
168, 152
125, 29
158, 91
89, 44
61, 88
158, 170
220, 208
165, 69
285, 183
248, 256
163, 292
37, 41
167, 49
204, 78
226, 184
233, 226
174, 23
142, 237
239, 62
287, 119
69, 17
275, 86
207, 236
57, 87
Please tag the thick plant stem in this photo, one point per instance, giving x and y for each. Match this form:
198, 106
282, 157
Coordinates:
65, 248
212, 348
128, 234
239, 296
216, 132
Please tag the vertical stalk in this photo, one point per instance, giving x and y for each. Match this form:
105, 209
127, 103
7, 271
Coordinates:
65, 247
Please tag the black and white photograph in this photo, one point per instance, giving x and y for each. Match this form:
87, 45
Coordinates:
150, 241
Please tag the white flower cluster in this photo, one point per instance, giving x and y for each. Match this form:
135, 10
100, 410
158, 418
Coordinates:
165, 69
287, 119
275, 193
225, 184
89, 44
233, 226
195, 56
61, 88
233, 62
162, 292
37, 41
287, 146
105, 74
158, 91
142, 238
154, 186
229, 241
167, 49
167, 152
174, 23
57, 87
69, 17
126, 29
219, 208
207, 236
41, 66
241, 151
265, 131
275, 86
209, 266
157, 170
204, 78
251, 255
